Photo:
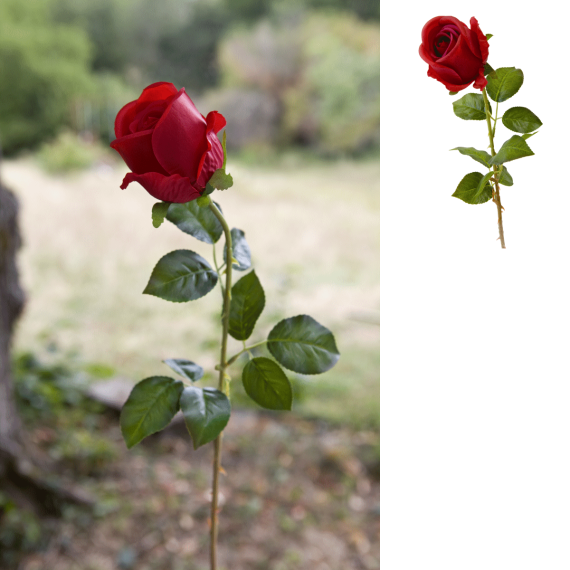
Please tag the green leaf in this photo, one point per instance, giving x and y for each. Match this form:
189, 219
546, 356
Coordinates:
181, 276
240, 251
528, 135
512, 149
149, 408
468, 189
208, 190
488, 36
521, 120
470, 107
247, 303
159, 211
221, 180
453, 92
480, 156
185, 368
506, 179
303, 345
266, 384
206, 413
487, 69
503, 83
198, 222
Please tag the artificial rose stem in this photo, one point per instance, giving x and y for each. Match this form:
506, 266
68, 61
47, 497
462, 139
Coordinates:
496, 194
222, 368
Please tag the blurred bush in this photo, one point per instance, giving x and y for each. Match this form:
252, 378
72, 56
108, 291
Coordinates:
42, 69
66, 153
335, 105
322, 72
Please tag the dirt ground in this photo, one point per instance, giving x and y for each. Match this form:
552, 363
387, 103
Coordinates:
296, 495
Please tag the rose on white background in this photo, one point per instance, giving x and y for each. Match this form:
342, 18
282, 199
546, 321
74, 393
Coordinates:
475, 340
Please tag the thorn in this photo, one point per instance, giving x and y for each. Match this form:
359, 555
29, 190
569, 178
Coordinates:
222, 470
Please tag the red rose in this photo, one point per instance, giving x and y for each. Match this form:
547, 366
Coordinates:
455, 54
170, 147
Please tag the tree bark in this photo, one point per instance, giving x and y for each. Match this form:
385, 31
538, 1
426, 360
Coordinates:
11, 305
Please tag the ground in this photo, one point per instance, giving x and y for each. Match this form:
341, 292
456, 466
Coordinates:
296, 494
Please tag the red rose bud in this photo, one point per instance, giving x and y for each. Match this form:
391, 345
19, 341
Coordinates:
170, 147
455, 54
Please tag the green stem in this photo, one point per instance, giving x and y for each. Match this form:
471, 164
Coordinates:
246, 349
218, 271
496, 194
222, 368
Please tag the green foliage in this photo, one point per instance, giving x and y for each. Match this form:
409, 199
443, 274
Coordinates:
221, 180
521, 120
44, 67
44, 390
503, 83
82, 451
188, 54
470, 107
206, 413
20, 531
266, 384
66, 153
240, 251
247, 303
303, 345
512, 149
149, 408
505, 178
185, 368
321, 70
473, 190
196, 221
159, 211
480, 156
181, 276
335, 101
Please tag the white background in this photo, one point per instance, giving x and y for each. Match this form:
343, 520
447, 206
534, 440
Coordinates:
475, 347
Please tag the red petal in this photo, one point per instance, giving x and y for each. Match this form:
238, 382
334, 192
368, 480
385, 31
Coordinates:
481, 39
215, 121
173, 188
124, 118
481, 81
136, 150
179, 138
156, 92
211, 161
457, 86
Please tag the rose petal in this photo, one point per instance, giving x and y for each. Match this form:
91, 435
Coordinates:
215, 121
156, 92
124, 118
481, 38
173, 188
179, 138
481, 81
448, 84
462, 60
136, 151
211, 161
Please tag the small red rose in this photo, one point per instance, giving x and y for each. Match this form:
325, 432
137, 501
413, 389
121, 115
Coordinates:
170, 147
455, 54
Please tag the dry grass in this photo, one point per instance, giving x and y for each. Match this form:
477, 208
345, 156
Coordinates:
89, 249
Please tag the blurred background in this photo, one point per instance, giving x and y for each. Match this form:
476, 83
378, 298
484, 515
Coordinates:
298, 82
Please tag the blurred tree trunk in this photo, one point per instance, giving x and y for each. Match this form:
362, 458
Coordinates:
24, 474
11, 305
